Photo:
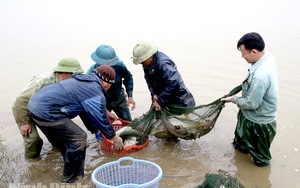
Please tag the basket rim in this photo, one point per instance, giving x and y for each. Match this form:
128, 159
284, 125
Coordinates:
127, 149
149, 183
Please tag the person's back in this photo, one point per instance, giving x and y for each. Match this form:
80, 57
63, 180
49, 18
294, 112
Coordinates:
63, 100
54, 106
32, 141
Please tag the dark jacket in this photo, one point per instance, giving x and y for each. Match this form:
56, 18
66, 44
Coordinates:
81, 95
165, 81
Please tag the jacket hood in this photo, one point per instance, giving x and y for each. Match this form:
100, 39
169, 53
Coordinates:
92, 77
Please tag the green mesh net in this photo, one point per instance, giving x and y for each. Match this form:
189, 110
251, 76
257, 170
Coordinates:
221, 180
180, 122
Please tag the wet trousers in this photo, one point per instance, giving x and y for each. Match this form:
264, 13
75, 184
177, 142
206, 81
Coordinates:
33, 142
71, 141
119, 106
255, 139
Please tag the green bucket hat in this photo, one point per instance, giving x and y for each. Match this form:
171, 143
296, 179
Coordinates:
69, 65
142, 52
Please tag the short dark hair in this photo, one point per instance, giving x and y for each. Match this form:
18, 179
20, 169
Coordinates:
252, 41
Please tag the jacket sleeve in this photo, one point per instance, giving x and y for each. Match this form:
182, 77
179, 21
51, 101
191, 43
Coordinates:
128, 80
253, 96
91, 69
19, 108
96, 109
89, 124
172, 79
146, 76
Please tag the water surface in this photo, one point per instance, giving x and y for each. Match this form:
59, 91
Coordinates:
200, 37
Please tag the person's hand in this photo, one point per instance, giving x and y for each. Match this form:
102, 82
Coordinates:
111, 115
227, 99
118, 143
131, 102
25, 130
155, 103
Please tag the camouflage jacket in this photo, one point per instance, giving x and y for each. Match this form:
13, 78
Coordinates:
19, 107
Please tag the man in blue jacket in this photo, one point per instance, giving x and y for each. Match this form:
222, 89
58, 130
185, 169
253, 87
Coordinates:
116, 99
164, 81
53, 107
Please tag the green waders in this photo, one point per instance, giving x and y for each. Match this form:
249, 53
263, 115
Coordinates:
255, 139
33, 143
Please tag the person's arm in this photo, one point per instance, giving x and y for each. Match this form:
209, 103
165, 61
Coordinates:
96, 109
253, 96
128, 83
111, 115
20, 110
127, 80
146, 76
172, 80
91, 69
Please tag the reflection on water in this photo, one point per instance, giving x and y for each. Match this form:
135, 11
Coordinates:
259, 176
199, 36
12, 167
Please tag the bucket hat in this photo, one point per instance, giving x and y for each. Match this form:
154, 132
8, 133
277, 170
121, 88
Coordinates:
105, 54
69, 65
106, 73
142, 52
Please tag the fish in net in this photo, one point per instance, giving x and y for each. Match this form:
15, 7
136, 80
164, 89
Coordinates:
179, 122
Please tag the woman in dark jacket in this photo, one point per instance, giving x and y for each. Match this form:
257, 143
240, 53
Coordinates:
164, 81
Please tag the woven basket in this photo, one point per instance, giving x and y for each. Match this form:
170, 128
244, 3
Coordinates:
127, 172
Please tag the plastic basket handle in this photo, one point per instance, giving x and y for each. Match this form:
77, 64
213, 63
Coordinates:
126, 159
125, 122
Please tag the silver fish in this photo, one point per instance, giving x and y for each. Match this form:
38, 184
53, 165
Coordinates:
123, 129
130, 141
129, 135
186, 128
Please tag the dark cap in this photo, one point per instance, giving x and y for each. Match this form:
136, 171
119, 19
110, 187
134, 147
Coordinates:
106, 73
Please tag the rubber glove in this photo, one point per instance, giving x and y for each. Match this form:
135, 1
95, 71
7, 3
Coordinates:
98, 136
118, 143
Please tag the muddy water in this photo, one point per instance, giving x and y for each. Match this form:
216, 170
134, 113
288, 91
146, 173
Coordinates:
199, 36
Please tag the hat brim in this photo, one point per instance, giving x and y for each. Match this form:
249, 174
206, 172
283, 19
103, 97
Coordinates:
68, 70
101, 61
150, 53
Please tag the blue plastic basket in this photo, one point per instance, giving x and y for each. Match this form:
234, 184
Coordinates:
127, 172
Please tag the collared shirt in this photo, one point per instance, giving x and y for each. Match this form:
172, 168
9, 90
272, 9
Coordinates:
20, 105
259, 99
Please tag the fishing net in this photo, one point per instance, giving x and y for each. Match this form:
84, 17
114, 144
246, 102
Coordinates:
180, 122
221, 180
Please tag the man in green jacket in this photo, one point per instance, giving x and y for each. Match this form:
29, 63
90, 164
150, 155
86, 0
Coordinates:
32, 141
